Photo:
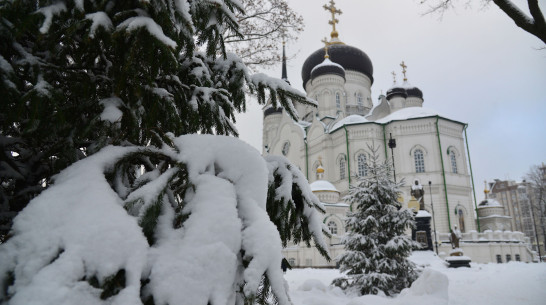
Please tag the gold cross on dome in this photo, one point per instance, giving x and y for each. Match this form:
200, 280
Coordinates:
403, 65
332, 8
326, 44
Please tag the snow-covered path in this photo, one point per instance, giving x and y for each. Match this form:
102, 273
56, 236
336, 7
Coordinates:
484, 284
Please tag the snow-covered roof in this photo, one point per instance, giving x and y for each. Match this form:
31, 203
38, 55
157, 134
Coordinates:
490, 203
323, 185
408, 113
405, 85
400, 115
423, 213
494, 216
352, 119
339, 204
327, 62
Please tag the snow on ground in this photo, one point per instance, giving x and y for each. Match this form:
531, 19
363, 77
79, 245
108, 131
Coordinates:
483, 284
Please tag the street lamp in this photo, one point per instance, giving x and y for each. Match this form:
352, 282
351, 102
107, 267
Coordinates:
433, 218
392, 145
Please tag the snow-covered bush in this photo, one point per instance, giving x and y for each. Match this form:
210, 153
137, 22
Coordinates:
192, 230
377, 249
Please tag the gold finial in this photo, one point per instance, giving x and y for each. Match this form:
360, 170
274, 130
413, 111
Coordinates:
393, 78
332, 8
403, 65
485, 190
326, 44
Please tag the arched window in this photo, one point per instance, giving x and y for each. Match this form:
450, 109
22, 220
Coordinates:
338, 101
333, 227
460, 213
419, 161
342, 168
359, 100
362, 167
453, 159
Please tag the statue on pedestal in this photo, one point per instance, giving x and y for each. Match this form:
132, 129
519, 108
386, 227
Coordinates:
455, 238
418, 192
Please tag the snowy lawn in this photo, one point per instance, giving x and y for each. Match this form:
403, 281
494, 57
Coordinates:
483, 284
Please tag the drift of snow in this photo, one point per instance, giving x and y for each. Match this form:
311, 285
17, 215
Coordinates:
484, 284
150, 25
78, 229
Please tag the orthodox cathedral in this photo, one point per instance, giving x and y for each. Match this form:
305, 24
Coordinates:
330, 144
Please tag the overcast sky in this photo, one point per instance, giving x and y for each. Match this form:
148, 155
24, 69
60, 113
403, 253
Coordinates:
473, 65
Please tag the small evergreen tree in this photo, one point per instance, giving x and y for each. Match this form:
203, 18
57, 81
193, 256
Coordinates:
377, 250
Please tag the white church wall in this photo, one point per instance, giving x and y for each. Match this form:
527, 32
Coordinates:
358, 83
484, 247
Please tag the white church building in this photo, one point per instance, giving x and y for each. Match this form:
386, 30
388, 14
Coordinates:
330, 146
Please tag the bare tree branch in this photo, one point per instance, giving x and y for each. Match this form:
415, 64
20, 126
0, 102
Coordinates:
534, 23
264, 25
521, 19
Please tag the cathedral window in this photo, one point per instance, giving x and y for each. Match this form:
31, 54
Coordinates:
508, 258
342, 168
292, 261
453, 159
338, 101
419, 161
460, 214
359, 100
333, 227
518, 258
362, 167
499, 259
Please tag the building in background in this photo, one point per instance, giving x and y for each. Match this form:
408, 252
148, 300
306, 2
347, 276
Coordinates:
522, 204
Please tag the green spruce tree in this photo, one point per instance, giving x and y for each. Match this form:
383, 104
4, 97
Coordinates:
377, 249
82, 76
79, 75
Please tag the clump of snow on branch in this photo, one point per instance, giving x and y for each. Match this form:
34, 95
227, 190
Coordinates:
285, 181
54, 255
111, 111
99, 19
49, 12
135, 23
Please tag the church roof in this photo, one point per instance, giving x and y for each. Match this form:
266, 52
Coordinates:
399, 115
350, 58
323, 185
327, 67
404, 90
489, 203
